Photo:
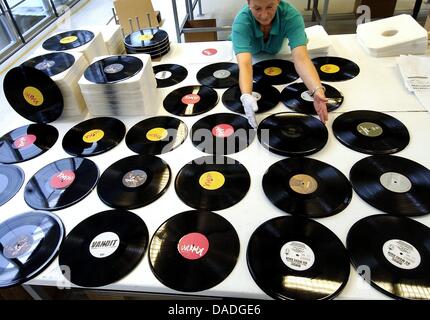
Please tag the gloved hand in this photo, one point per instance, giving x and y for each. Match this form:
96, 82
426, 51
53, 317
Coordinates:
250, 106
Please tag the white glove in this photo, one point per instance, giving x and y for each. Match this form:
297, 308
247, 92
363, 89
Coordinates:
250, 106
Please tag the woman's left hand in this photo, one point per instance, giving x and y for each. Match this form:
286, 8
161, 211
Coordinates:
320, 105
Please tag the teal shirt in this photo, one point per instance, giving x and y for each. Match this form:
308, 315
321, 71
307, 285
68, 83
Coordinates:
287, 23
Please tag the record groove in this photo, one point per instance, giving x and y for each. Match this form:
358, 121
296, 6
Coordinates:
52, 63
169, 74
275, 72
68, 40
336, 68
219, 75
11, 180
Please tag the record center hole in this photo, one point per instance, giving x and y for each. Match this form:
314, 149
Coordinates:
390, 33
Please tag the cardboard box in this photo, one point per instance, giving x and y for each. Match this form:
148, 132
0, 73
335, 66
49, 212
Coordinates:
200, 36
130, 9
379, 8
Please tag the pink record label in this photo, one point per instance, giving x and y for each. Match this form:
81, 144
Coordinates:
24, 141
222, 130
193, 246
62, 179
190, 98
209, 52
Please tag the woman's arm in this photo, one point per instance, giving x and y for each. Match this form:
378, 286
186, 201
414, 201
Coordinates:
244, 61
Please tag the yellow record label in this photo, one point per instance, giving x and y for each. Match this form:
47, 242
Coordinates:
303, 184
273, 71
33, 96
330, 68
145, 37
93, 136
69, 39
212, 180
156, 134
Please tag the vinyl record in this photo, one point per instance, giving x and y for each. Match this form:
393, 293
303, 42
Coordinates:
219, 75
335, 68
134, 182
393, 254
371, 132
267, 98
104, 248
68, 40
52, 63
61, 184
392, 184
222, 133
307, 187
156, 135
113, 69
292, 134
33, 94
193, 251
94, 136
29, 242
296, 97
146, 38
169, 74
297, 258
27, 142
275, 71
212, 183
190, 100
11, 180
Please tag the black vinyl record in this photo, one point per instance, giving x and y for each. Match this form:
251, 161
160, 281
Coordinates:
156, 135
104, 248
267, 98
52, 63
93, 136
113, 69
190, 100
134, 182
193, 251
11, 180
307, 187
169, 74
392, 184
61, 184
292, 134
146, 38
222, 133
33, 94
212, 183
27, 142
68, 40
297, 98
297, 258
219, 75
335, 68
371, 132
393, 254
29, 243
275, 71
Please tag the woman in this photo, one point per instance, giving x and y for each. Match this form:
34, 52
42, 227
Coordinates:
262, 26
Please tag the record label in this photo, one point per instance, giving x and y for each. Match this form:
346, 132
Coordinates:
62, 180
113, 68
212, 180
157, 134
69, 39
163, 75
222, 74
93, 136
273, 71
193, 246
330, 68
145, 37
134, 178
209, 52
33, 96
297, 255
104, 244
370, 129
395, 182
24, 141
18, 246
190, 98
303, 184
306, 96
223, 130
45, 65
401, 254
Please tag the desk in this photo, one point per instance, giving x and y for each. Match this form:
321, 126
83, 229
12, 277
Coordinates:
378, 87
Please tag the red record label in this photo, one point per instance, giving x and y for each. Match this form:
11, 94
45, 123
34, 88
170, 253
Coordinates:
190, 98
209, 52
193, 246
24, 141
223, 130
62, 180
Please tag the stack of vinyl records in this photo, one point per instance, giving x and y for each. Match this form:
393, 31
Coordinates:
65, 69
89, 42
393, 36
122, 85
318, 42
154, 42
112, 37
